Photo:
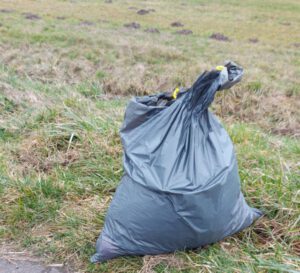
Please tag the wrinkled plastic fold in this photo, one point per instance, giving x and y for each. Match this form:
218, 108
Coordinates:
181, 187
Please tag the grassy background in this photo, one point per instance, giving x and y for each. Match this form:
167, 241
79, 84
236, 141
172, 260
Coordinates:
67, 69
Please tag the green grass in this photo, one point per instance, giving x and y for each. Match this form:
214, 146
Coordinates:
63, 91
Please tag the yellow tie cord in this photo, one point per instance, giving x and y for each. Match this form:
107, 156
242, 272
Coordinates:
175, 92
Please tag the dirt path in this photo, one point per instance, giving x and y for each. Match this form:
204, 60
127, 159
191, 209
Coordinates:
12, 260
26, 267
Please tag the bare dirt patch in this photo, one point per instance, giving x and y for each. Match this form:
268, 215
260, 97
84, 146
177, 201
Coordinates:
219, 37
152, 30
177, 24
86, 23
253, 40
31, 16
145, 11
296, 45
184, 32
285, 23
7, 10
133, 25
142, 12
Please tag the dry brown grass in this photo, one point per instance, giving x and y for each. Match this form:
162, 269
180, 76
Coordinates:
46, 64
276, 113
96, 47
170, 261
269, 106
41, 153
23, 97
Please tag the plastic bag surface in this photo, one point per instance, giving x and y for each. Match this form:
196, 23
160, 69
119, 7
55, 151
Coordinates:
181, 187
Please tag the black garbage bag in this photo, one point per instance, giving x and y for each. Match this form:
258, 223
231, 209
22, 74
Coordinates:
181, 187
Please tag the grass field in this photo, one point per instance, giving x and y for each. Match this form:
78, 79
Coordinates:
67, 70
